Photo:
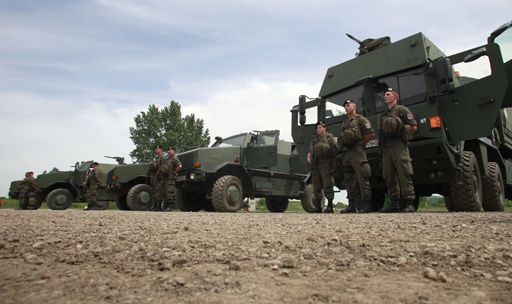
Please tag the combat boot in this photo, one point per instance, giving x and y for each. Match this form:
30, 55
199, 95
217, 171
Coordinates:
409, 206
365, 207
167, 206
156, 207
393, 207
329, 208
351, 208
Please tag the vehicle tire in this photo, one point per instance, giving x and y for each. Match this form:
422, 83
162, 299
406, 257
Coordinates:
140, 198
187, 202
121, 203
448, 203
377, 202
227, 194
466, 186
276, 203
59, 199
308, 201
493, 189
102, 205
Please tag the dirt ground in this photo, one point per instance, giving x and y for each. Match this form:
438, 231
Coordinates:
111, 256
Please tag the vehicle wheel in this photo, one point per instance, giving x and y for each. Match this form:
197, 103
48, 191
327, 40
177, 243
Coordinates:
102, 205
466, 186
308, 201
59, 199
493, 189
227, 194
121, 203
187, 201
377, 202
276, 203
448, 203
139, 198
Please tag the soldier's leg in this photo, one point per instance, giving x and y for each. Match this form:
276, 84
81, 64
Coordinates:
348, 181
405, 173
93, 199
22, 201
328, 185
363, 172
170, 194
389, 174
316, 181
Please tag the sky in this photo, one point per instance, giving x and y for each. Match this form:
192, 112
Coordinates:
74, 74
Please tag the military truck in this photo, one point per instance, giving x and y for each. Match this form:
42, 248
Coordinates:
61, 188
130, 185
247, 165
463, 146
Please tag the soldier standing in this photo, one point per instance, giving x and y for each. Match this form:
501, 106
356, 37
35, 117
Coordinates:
157, 178
356, 131
397, 126
27, 186
321, 160
92, 183
172, 167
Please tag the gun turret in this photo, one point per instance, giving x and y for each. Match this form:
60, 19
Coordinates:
119, 159
370, 44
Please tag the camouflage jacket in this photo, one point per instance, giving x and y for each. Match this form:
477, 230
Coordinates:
405, 116
93, 180
29, 184
171, 165
360, 125
324, 148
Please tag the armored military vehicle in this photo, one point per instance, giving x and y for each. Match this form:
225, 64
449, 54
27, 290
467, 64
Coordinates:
61, 188
130, 185
246, 165
463, 146
32, 200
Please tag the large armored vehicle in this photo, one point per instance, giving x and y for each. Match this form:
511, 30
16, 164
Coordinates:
61, 188
242, 166
130, 185
463, 146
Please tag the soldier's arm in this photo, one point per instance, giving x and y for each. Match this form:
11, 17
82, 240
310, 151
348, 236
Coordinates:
367, 130
410, 123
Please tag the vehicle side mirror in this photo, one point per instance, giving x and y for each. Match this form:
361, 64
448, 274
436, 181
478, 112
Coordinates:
302, 109
444, 75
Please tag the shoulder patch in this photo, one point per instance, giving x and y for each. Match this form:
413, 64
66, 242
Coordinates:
409, 116
367, 125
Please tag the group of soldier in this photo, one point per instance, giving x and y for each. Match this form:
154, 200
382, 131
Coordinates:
397, 127
162, 173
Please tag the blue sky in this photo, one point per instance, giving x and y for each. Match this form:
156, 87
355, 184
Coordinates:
73, 74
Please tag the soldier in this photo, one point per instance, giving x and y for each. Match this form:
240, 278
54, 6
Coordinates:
157, 179
27, 186
92, 183
356, 131
321, 160
397, 126
171, 167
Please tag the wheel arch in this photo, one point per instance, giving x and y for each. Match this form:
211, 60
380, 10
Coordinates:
238, 171
71, 188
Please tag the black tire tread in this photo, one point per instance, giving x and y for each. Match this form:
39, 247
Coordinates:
276, 204
131, 199
493, 189
51, 196
218, 200
463, 197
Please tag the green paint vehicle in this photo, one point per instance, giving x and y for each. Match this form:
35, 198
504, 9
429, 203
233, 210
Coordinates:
238, 167
463, 146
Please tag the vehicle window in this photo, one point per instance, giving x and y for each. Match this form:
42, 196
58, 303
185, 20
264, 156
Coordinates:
505, 42
265, 139
410, 85
233, 141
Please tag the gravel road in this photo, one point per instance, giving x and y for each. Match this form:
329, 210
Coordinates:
111, 256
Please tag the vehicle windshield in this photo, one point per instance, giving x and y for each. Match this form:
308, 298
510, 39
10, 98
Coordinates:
264, 139
237, 140
505, 42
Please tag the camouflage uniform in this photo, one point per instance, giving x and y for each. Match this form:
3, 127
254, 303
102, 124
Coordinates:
157, 181
27, 186
92, 184
396, 160
322, 167
356, 169
171, 164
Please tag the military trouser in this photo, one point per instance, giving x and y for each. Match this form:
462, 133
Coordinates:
23, 200
321, 175
91, 196
397, 170
158, 187
170, 192
356, 174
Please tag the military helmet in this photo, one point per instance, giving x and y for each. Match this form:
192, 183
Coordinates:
392, 125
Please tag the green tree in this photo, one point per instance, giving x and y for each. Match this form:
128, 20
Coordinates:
166, 128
